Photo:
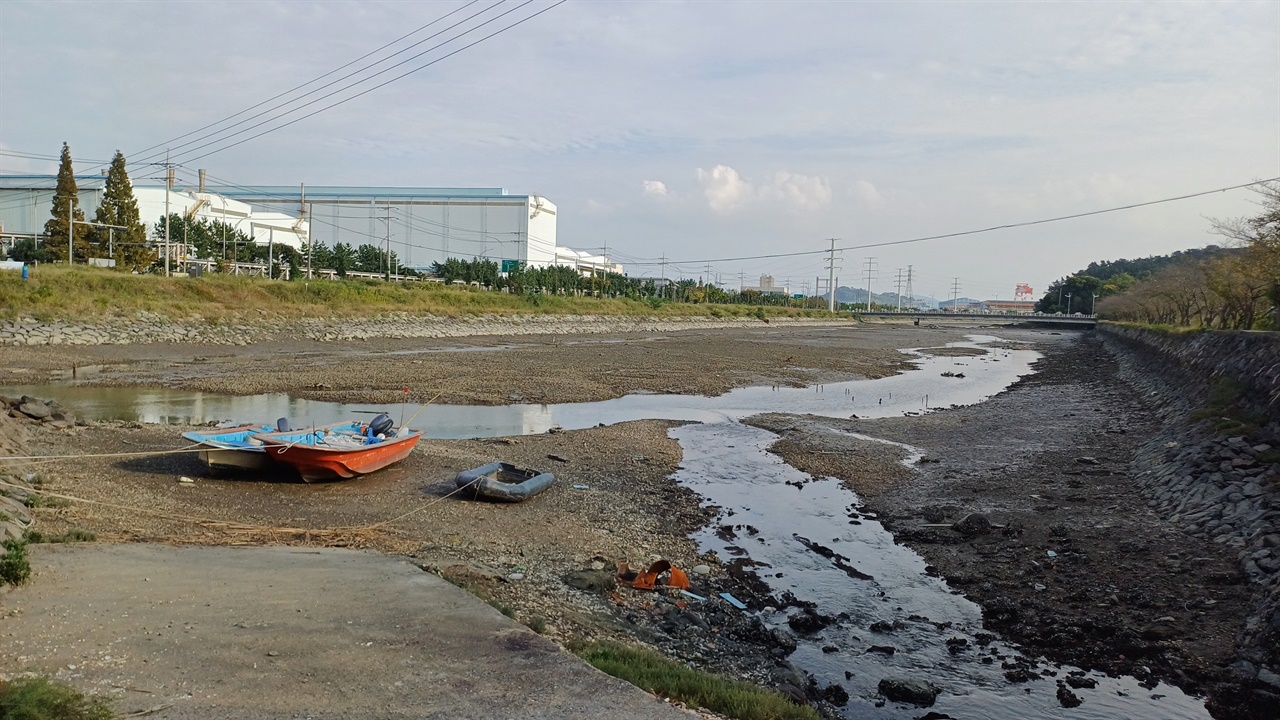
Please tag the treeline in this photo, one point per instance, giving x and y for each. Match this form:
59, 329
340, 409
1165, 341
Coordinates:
116, 232
1236, 287
561, 280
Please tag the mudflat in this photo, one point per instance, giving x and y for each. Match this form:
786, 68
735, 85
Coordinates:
1123, 591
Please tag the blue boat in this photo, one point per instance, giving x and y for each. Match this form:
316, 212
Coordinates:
504, 482
233, 449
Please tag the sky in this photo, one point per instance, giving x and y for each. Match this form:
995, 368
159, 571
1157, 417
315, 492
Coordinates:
705, 130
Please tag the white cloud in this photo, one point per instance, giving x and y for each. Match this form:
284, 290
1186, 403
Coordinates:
724, 188
802, 192
655, 188
868, 194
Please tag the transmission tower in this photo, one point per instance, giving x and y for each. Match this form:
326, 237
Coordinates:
831, 275
870, 269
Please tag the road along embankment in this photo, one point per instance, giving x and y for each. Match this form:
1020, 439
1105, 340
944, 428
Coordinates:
1213, 466
149, 327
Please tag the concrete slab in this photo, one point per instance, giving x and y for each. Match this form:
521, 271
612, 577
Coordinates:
283, 632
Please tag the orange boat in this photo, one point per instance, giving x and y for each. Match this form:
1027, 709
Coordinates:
341, 450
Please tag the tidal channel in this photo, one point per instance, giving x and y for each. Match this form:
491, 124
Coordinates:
789, 513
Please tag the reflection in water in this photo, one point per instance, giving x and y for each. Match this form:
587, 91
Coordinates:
908, 392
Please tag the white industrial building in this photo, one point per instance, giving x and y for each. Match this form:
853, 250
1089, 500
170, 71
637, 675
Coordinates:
425, 225
421, 225
27, 200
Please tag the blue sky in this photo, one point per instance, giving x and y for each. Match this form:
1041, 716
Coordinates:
713, 129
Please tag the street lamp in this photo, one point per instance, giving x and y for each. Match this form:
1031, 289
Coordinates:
1094, 309
1068, 303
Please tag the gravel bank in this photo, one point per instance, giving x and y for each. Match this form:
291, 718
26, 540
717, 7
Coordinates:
1074, 564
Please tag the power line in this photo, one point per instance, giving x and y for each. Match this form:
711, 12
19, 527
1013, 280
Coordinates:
345, 77
316, 79
375, 87
992, 228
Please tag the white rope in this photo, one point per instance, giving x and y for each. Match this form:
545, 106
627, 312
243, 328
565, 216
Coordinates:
173, 451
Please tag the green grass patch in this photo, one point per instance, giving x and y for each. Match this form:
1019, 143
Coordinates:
1223, 408
40, 698
36, 537
667, 678
84, 293
42, 501
538, 624
1175, 330
14, 566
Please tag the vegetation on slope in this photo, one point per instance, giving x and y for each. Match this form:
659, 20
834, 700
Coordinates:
85, 293
1235, 287
667, 678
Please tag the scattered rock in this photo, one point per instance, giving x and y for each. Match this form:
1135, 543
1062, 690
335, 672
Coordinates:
1067, 698
909, 690
591, 580
836, 695
35, 410
809, 621
972, 524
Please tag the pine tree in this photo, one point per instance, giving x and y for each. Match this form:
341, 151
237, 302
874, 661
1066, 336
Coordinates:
126, 243
66, 199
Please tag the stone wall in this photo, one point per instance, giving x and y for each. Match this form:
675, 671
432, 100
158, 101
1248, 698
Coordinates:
147, 327
1214, 469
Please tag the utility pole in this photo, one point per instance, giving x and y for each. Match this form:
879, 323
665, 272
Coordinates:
1093, 310
71, 229
168, 188
898, 284
664, 274
831, 275
1068, 303
306, 217
955, 294
271, 253
870, 270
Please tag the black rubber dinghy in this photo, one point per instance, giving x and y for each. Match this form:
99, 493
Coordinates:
504, 482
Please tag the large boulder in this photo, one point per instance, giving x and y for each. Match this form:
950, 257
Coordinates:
35, 410
972, 524
909, 690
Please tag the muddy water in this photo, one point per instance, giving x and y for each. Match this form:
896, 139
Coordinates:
774, 505
868, 579
906, 393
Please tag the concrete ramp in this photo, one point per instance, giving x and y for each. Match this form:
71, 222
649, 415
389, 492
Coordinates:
282, 632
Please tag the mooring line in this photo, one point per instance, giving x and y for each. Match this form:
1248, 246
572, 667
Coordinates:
241, 525
171, 451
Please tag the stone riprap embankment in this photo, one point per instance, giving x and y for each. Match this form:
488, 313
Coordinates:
1215, 467
146, 327
16, 491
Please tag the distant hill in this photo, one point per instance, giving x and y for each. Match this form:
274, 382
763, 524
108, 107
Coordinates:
855, 296
1143, 268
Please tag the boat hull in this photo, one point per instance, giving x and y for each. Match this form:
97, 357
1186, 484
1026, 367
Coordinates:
318, 464
224, 460
230, 449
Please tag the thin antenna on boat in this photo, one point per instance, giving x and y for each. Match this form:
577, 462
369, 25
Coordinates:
424, 407
403, 400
